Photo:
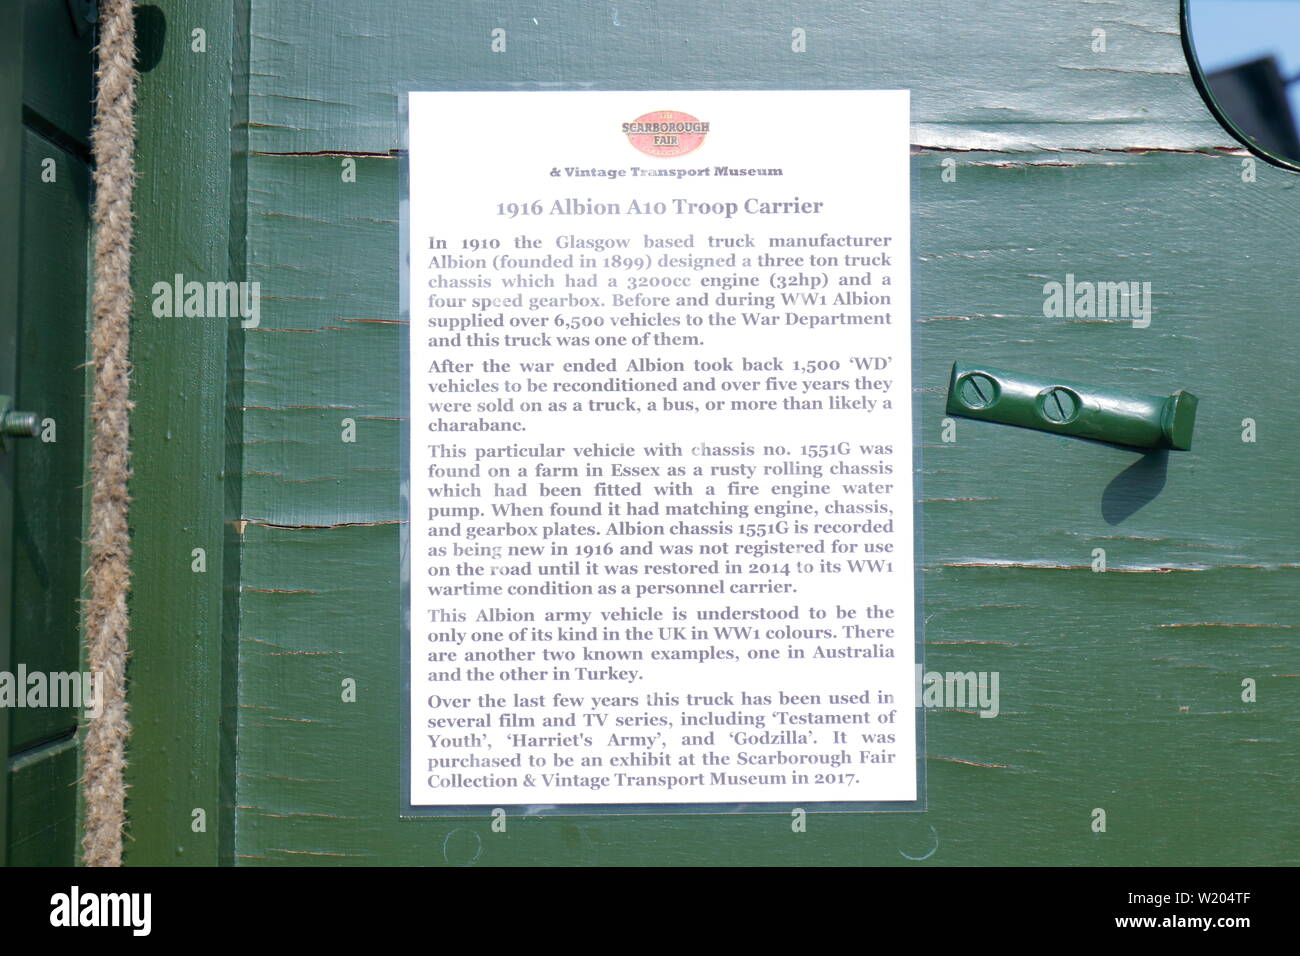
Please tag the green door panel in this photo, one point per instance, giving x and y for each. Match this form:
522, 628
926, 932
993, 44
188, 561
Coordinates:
11, 184
58, 71
45, 82
44, 806
47, 503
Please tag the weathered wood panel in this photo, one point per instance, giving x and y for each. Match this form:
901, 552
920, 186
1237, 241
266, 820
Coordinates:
1096, 668
1119, 690
996, 76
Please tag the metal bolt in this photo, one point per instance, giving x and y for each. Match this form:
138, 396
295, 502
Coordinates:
1060, 405
21, 424
978, 391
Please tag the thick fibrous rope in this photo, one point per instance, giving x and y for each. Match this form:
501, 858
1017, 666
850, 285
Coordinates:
107, 621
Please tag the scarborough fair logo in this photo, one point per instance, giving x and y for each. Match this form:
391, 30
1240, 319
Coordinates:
666, 133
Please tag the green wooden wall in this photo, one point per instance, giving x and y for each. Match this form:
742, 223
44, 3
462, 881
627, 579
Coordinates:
1119, 690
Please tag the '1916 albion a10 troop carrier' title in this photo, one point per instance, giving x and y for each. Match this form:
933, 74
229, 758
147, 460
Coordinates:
660, 453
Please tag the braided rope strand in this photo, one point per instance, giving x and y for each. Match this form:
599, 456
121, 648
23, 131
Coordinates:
107, 620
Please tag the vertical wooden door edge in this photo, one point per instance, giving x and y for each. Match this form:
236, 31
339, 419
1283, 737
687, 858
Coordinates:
185, 436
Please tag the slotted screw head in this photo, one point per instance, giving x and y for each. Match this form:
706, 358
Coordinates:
1060, 405
977, 390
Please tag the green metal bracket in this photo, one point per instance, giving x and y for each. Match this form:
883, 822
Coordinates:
1068, 408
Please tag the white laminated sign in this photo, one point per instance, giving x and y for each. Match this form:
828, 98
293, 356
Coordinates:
659, 455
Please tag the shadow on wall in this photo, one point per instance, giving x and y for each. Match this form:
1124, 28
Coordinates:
150, 33
1135, 487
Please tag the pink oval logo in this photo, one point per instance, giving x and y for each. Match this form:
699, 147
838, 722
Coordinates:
666, 133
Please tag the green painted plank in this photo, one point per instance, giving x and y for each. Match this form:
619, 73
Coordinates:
1121, 691
296, 467
300, 472
1002, 76
44, 786
188, 214
48, 490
